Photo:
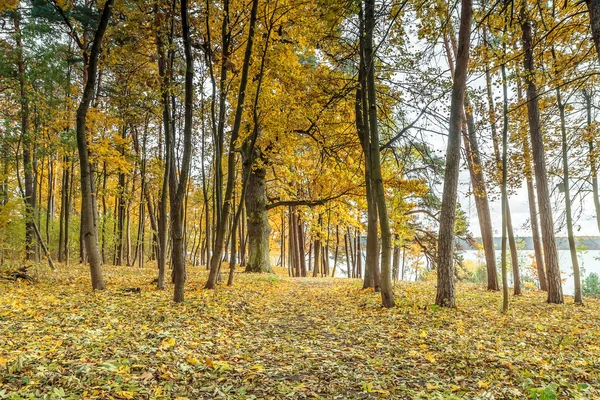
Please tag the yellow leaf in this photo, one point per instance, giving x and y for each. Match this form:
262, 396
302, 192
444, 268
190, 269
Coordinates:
167, 343
483, 384
192, 360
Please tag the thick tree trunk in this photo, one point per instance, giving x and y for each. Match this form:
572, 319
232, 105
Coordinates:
445, 288
88, 211
594, 10
258, 217
555, 294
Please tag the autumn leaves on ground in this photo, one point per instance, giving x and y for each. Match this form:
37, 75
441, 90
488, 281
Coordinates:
270, 336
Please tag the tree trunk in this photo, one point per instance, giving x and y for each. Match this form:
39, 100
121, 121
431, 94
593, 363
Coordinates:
594, 10
258, 217
371, 278
396, 262
221, 224
533, 214
565, 160
301, 246
445, 280
337, 247
88, 211
592, 155
317, 259
555, 294
358, 249
30, 198
165, 83
504, 188
477, 179
177, 198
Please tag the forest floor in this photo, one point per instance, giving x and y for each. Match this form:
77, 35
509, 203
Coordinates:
270, 336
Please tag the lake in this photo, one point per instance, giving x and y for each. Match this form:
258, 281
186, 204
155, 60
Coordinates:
589, 261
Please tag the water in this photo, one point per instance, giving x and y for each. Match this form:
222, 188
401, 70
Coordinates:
589, 261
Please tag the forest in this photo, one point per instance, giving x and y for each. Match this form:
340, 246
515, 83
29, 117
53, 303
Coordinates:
252, 199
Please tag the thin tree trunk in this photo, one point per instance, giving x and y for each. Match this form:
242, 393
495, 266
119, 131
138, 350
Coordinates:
533, 214
477, 179
317, 250
565, 160
177, 198
301, 246
221, 223
88, 211
163, 223
504, 189
555, 294
337, 247
445, 288
592, 155
30, 198
372, 276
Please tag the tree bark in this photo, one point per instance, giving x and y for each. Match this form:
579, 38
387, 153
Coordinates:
371, 278
594, 10
445, 278
177, 198
533, 214
504, 188
569, 216
222, 221
555, 294
592, 155
477, 178
30, 198
88, 211
258, 216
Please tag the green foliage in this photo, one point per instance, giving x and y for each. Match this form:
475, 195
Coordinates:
591, 285
546, 393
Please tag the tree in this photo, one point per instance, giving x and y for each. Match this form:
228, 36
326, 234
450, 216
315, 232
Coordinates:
541, 177
177, 197
387, 294
89, 213
445, 278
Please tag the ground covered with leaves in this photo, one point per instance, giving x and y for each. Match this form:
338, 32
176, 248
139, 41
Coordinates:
270, 336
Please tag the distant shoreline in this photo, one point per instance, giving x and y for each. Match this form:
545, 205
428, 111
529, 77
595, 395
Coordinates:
526, 243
